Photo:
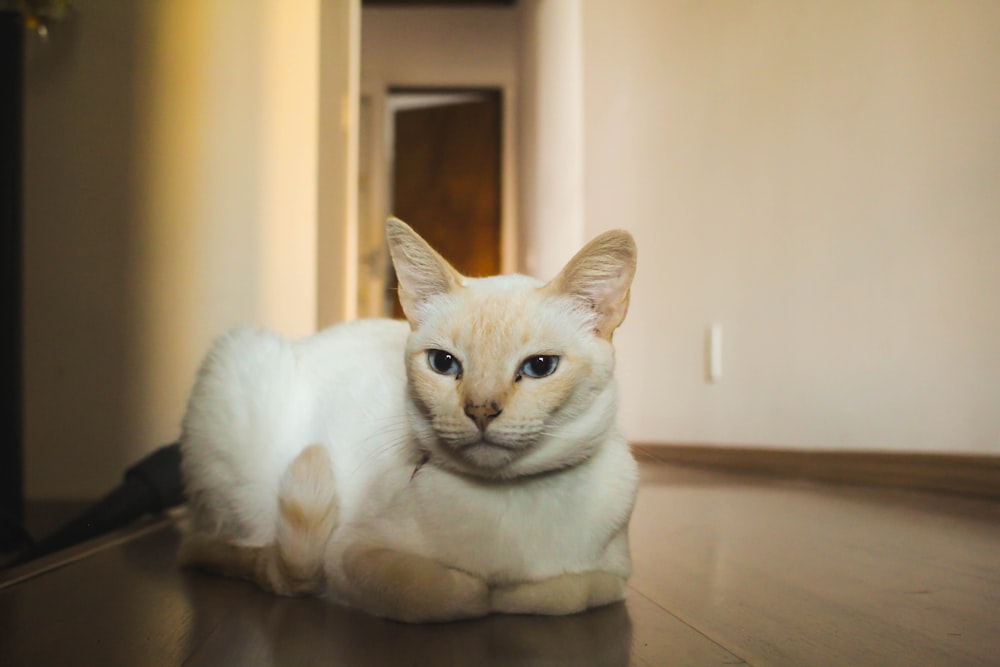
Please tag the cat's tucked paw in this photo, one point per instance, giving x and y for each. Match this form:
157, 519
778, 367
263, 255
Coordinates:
307, 516
410, 588
565, 594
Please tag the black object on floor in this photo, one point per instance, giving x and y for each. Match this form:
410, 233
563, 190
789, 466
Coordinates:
149, 487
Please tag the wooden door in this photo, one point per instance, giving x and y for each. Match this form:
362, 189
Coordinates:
446, 181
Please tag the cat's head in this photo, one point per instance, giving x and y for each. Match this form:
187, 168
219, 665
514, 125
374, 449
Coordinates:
511, 376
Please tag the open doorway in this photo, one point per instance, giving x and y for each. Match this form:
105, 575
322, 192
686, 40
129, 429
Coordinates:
442, 175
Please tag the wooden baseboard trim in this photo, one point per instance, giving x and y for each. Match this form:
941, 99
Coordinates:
956, 474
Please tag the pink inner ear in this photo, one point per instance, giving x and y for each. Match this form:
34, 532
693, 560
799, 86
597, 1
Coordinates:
602, 281
612, 313
609, 291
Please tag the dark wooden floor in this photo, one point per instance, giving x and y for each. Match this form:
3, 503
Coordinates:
728, 570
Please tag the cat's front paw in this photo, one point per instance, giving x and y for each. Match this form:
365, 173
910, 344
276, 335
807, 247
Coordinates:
410, 588
565, 594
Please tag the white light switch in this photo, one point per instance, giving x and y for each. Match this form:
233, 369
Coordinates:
713, 352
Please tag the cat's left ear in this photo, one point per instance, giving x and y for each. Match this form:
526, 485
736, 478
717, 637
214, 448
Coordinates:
421, 271
600, 276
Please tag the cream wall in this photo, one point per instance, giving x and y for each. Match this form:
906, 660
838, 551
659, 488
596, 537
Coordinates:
335, 264
439, 45
172, 177
819, 178
823, 180
551, 114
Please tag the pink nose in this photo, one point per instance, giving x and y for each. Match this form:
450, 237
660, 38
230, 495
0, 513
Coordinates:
482, 414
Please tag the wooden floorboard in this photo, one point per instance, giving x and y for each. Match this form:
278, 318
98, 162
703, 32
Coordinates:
784, 573
660, 638
729, 569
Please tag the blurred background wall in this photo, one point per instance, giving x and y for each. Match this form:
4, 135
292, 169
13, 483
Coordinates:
172, 190
821, 180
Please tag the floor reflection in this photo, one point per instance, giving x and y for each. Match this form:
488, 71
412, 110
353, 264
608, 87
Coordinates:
236, 624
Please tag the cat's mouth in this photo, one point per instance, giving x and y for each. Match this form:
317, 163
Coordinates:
486, 442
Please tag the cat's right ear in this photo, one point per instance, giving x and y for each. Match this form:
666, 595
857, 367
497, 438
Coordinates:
422, 273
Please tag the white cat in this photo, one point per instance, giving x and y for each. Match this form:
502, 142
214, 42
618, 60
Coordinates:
467, 462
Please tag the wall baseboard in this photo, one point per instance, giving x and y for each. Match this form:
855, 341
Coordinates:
956, 474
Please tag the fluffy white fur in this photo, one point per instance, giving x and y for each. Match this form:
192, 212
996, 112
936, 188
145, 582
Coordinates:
343, 465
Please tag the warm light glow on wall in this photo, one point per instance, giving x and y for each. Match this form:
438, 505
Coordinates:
226, 226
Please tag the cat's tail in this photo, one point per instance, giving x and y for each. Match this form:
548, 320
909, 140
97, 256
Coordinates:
307, 516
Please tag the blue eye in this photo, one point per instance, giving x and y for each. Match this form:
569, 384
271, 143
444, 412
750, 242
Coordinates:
540, 365
443, 362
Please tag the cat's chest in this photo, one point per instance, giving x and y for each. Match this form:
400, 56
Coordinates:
536, 527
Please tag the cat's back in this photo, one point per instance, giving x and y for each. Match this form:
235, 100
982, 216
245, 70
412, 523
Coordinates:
256, 367
260, 398
376, 344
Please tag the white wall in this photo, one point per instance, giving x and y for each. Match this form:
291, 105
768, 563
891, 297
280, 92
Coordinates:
172, 179
822, 179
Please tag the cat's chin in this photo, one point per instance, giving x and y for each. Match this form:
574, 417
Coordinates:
486, 457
